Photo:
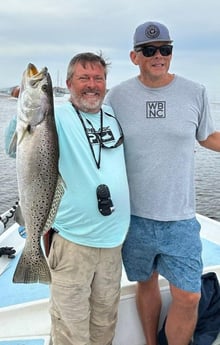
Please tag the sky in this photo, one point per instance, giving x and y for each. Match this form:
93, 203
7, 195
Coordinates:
50, 32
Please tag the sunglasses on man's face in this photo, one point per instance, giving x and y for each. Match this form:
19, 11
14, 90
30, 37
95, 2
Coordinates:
149, 51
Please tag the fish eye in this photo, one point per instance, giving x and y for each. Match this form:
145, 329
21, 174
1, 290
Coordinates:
44, 88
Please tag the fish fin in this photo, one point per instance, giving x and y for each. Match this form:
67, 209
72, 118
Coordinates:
18, 217
59, 191
25, 130
29, 270
13, 145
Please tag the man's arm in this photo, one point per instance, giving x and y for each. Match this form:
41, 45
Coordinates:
212, 142
9, 134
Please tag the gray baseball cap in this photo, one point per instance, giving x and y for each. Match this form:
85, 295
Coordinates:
151, 32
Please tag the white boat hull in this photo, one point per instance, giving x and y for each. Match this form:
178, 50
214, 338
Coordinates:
31, 320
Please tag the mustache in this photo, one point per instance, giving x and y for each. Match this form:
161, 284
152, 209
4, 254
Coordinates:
91, 89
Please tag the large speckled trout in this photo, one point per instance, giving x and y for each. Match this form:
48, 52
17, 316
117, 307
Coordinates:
39, 184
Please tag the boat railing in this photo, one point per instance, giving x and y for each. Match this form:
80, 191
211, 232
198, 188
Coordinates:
6, 216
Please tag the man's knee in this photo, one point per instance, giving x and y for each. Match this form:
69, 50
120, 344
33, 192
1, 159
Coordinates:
184, 298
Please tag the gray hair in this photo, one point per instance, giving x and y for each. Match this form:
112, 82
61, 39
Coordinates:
84, 59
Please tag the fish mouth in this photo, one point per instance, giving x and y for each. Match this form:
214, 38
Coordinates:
32, 71
34, 79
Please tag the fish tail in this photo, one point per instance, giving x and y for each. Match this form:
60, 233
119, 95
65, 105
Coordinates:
32, 270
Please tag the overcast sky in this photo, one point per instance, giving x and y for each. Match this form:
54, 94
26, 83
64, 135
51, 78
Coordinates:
49, 32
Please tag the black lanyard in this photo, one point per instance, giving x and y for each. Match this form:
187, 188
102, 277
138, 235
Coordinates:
99, 137
97, 161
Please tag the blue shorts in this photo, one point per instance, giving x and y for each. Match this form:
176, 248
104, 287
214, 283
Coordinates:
173, 249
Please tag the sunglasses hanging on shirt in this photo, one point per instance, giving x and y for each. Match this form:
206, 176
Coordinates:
100, 136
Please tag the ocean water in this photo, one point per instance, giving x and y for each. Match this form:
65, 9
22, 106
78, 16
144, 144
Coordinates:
207, 172
207, 175
8, 181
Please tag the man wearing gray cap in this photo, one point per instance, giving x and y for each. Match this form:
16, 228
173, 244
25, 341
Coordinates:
162, 114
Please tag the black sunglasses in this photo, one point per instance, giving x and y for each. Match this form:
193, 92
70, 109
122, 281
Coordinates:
149, 51
99, 135
119, 141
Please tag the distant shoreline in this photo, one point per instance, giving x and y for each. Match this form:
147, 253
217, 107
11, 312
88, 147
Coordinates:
2, 94
7, 96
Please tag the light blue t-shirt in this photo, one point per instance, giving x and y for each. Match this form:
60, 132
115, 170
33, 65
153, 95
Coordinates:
78, 218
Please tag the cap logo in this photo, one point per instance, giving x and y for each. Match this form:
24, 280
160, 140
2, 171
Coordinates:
152, 31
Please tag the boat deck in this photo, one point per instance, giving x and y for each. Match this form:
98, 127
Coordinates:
15, 298
22, 293
19, 293
40, 341
16, 293
211, 253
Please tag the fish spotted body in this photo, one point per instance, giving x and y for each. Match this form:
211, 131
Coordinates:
39, 183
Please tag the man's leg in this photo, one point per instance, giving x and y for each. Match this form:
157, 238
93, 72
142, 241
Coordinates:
149, 305
105, 296
72, 268
182, 316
